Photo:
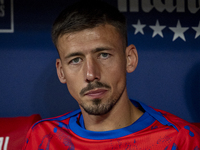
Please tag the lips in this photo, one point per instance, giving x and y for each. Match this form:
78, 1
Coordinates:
98, 93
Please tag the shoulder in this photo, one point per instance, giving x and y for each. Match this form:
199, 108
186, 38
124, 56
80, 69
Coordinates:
188, 135
58, 119
187, 132
45, 129
177, 121
49, 125
166, 118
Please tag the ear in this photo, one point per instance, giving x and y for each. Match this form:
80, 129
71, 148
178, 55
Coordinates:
131, 58
60, 71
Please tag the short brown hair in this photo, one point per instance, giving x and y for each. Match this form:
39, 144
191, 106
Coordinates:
88, 14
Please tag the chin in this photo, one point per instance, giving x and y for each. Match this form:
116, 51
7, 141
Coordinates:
98, 108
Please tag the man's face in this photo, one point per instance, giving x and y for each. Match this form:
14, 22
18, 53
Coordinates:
93, 65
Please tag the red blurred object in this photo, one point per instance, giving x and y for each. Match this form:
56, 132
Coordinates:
13, 131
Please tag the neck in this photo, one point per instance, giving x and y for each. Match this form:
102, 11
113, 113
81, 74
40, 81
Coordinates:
123, 114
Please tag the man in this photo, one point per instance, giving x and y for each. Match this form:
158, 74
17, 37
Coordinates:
91, 40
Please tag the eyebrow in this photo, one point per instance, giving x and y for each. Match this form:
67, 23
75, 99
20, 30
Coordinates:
74, 54
99, 49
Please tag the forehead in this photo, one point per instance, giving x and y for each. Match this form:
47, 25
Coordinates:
103, 35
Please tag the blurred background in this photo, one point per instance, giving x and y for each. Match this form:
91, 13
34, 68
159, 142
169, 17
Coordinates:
166, 34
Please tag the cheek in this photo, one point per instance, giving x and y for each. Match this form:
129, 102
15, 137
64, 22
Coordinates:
116, 75
116, 63
117, 68
73, 83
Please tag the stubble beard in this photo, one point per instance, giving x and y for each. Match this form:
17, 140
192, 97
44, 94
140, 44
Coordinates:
98, 108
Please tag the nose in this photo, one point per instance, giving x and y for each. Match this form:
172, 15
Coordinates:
92, 70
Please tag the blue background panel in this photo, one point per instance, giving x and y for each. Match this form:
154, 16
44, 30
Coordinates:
167, 76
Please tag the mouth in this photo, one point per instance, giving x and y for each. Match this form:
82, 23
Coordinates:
96, 93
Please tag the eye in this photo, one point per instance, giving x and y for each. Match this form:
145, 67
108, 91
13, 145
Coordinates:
75, 61
104, 55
